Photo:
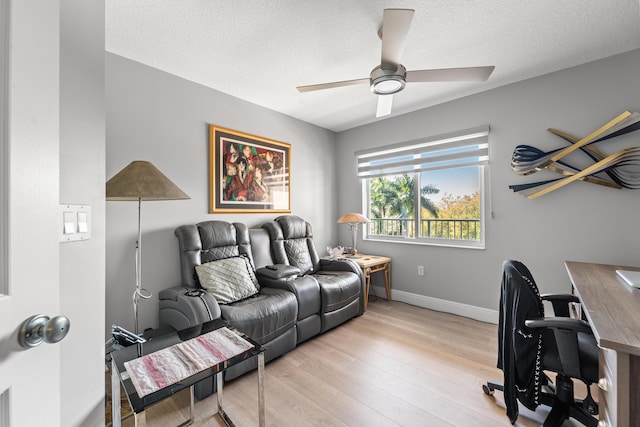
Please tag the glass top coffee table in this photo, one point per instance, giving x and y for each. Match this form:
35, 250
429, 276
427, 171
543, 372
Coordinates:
169, 363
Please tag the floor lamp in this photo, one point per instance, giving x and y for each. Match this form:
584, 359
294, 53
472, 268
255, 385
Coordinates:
353, 219
137, 182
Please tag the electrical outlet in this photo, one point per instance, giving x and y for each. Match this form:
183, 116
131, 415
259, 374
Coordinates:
420, 270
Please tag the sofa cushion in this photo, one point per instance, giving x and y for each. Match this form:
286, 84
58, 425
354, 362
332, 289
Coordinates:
264, 316
229, 279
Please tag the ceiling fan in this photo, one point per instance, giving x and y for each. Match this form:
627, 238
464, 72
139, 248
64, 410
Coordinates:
390, 76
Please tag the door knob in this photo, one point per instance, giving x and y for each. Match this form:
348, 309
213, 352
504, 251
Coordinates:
40, 328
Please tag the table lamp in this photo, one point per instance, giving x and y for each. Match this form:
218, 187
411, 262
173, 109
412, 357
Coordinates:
137, 182
353, 219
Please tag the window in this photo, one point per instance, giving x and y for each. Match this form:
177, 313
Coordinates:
429, 190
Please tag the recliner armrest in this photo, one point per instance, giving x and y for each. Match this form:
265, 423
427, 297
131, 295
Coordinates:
278, 272
339, 264
182, 307
347, 265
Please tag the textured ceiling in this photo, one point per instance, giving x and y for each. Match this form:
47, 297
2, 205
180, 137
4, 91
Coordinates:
260, 50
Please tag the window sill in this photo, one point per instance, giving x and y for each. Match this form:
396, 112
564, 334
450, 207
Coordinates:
449, 243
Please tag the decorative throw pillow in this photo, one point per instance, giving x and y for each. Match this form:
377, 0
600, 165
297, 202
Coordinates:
228, 280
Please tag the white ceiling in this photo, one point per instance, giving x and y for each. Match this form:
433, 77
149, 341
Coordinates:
260, 50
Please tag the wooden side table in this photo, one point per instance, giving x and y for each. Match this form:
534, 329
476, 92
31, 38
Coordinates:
372, 264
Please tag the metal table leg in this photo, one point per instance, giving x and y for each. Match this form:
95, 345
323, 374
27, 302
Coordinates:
261, 418
115, 396
261, 406
140, 419
191, 408
219, 394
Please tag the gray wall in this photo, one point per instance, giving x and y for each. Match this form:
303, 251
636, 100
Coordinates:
154, 116
82, 177
581, 222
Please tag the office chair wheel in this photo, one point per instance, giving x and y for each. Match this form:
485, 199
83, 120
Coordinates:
487, 390
490, 386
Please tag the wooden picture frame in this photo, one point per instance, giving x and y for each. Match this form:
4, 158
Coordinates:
248, 173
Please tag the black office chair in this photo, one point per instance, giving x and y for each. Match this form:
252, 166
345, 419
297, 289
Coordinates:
530, 344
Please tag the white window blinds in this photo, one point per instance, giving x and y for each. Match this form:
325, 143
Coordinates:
469, 147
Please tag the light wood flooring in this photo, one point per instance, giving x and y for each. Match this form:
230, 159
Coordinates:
396, 365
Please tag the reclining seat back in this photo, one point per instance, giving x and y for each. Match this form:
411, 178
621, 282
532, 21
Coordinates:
284, 276
209, 241
292, 243
341, 282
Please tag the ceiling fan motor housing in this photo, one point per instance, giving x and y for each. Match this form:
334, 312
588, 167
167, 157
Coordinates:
388, 82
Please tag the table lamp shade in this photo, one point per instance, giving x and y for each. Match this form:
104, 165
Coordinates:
353, 218
141, 180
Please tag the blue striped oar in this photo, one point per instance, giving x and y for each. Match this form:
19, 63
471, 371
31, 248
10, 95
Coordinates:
626, 157
525, 162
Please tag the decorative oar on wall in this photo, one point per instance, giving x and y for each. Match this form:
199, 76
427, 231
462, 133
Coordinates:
618, 170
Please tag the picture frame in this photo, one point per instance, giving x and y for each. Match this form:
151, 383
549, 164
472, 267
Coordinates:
248, 173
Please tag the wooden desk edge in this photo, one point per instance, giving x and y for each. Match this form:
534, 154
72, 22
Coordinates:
602, 342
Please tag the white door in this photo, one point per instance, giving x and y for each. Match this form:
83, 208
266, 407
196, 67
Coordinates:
29, 248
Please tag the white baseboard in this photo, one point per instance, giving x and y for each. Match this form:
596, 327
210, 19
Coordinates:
470, 311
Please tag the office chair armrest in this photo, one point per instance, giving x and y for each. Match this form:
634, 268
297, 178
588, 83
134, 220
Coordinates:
560, 303
565, 332
575, 325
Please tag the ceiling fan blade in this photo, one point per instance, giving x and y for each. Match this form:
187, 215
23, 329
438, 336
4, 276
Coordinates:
395, 27
322, 86
384, 105
450, 74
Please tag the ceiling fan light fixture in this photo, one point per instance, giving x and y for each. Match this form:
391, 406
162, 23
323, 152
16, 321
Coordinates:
388, 82
388, 86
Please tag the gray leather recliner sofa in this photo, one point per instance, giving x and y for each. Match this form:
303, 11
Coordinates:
296, 301
292, 244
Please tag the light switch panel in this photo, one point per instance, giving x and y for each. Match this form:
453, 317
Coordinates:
68, 222
83, 225
75, 223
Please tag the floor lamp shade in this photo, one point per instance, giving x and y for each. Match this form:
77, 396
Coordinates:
139, 181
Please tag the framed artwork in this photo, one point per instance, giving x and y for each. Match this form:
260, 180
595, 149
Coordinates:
248, 173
